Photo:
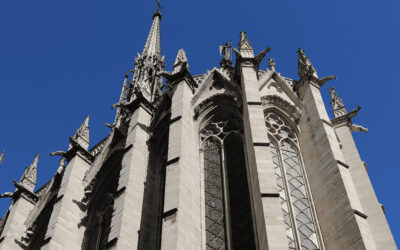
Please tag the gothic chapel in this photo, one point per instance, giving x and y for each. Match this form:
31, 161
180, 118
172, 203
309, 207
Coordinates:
235, 158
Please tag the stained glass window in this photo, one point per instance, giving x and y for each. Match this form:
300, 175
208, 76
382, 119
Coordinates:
296, 207
228, 214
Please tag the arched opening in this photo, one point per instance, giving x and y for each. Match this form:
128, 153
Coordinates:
228, 211
298, 213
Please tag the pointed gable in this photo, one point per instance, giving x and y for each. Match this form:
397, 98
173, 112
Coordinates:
82, 134
217, 82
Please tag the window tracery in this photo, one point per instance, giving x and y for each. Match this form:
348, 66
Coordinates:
296, 207
228, 215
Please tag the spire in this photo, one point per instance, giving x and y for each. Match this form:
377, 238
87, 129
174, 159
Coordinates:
81, 135
305, 67
245, 48
150, 63
153, 42
337, 104
180, 60
2, 156
28, 179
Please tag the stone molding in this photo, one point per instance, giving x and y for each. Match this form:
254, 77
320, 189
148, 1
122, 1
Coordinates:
275, 101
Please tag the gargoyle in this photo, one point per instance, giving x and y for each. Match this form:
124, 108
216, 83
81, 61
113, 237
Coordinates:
322, 81
358, 128
59, 153
6, 195
258, 58
354, 112
319, 81
121, 104
108, 125
170, 75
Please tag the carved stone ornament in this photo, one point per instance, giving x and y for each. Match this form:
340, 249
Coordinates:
275, 101
220, 129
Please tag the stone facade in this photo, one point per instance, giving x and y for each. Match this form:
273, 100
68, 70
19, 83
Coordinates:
235, 158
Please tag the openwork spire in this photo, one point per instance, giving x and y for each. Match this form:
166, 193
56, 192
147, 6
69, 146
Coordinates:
2, 156
245, 48
337, 104
150, 63
81, 135
28, 179
153, 42
305, 67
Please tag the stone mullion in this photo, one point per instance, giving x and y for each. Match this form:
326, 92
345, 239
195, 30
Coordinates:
225, 187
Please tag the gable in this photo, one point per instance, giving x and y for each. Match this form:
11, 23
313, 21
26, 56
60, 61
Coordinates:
217, 82
272, 84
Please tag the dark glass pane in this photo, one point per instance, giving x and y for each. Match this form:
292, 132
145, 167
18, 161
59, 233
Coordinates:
239, 195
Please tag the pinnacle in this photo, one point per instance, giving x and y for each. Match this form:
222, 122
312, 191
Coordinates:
81, 135
245, 46
337, 104
35, 162
180, 60
28, 179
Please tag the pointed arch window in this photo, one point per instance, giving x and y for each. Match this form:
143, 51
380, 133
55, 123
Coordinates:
227, 209
300, 220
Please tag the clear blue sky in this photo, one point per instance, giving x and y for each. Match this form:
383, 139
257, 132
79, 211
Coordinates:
61, 60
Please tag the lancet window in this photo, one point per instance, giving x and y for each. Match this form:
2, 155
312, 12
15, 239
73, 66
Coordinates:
228, 215
301, 227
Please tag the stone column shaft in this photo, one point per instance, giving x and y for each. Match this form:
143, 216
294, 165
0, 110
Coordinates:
270, 229
64, 230
376, 218
125, 224
14, 227
341, 218
181, 227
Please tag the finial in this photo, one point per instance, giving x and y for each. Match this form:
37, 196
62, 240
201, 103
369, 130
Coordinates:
28, 179
245, 48
271, 63
180, 60
81, 135
337, 104
2, 156
158, 5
